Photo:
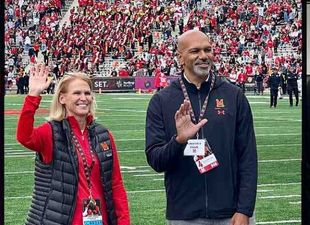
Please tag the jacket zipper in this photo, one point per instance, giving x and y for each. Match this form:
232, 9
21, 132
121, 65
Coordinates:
202, 136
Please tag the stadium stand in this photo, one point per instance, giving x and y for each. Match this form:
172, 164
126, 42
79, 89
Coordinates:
103, 37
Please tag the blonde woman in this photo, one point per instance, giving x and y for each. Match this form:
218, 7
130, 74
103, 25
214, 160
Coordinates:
77, 168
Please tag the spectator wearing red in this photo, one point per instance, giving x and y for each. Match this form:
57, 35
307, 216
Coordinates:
242, 77
123, 72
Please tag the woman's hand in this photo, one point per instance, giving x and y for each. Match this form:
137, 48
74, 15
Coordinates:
38, 79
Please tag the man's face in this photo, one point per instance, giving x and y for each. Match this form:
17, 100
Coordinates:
196, 56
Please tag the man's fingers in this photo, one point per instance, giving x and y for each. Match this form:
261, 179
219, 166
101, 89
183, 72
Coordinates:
176, 115
202, 123
181, 109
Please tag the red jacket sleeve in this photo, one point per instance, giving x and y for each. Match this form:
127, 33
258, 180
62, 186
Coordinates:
39, 138
118, 190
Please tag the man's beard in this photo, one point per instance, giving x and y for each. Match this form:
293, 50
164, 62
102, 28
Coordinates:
202, 72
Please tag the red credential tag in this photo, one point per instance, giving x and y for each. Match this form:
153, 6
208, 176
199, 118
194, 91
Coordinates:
207, 163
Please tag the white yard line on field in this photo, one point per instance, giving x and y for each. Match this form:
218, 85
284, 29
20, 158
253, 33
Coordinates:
280, 222
31, 172
276, 119
122, 110
287, 134
278, 160
279, 196
264, 191
148, 175
295, 203
269, 145
162, 190
278, 184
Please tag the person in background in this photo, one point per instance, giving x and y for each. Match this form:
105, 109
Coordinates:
242, 77
199, 132
292, 86
259, 78
76, 158
274, 84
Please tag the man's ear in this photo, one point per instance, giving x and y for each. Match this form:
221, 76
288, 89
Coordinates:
180, 59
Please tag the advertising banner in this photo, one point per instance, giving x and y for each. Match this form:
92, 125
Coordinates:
148, 83
113, 84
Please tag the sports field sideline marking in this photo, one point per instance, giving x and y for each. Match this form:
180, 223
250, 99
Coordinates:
268, 145
257, 135
163, 190
280, 222
295, 203
123, 171
25, 153
277, 160
275, 119
279, 196
122, 124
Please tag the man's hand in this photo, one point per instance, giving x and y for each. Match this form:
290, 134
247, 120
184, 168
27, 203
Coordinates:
186, 129
38, 79
239, 219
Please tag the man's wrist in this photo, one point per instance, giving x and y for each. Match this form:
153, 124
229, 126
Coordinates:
180, 140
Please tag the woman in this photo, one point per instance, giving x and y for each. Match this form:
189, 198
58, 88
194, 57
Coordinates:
76, 162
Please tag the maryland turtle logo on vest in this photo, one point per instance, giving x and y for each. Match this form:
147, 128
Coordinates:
104, 146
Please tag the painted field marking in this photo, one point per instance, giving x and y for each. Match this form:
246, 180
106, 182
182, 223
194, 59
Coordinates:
279, 184
279, 196
162, 190
263, 145
295, 203
280, 222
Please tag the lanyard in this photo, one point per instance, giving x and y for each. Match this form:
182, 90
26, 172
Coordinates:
204, 106
87, 169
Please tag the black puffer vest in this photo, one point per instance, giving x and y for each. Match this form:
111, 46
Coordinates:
54, 196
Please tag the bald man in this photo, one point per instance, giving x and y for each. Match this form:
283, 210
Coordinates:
199, 132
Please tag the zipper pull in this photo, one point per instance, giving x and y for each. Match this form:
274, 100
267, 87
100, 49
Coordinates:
82, 132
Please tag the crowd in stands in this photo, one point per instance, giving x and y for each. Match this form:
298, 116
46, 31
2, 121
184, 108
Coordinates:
25, 24
138, 38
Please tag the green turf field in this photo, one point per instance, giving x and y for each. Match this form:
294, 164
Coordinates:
278, 134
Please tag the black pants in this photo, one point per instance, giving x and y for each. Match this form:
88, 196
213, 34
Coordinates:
260, 87
284, 88
290, 92
273, 97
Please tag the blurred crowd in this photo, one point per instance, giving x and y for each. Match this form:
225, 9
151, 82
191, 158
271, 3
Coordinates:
138, 38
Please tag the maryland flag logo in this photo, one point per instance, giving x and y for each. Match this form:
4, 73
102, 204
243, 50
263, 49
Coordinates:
105, 146
219, 103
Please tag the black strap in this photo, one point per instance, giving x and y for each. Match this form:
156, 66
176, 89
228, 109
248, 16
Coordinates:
204, 106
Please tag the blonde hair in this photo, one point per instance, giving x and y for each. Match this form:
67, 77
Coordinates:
58, 110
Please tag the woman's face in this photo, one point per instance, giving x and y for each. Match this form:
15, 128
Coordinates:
78, 99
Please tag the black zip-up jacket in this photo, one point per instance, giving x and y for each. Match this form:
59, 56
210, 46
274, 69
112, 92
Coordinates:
274, 81
291, 80
230, 187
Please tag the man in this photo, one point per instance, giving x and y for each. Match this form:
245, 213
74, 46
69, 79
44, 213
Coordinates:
214, 117
274, 83
259, 78
292, 86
